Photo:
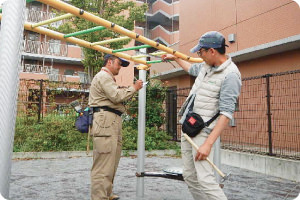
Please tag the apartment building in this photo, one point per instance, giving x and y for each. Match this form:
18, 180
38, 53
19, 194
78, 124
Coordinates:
264, 42
263, 36
47, 58
161, 24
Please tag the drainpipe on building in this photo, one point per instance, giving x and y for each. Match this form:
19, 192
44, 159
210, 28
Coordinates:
12, 27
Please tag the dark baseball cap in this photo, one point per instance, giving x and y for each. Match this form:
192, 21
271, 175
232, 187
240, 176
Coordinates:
211, 39
124, 63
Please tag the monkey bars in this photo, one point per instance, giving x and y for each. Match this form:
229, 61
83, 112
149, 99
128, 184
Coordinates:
74, 11
116, 28
80, 42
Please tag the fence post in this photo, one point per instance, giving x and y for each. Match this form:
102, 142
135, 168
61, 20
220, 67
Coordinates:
174, 112
267, 76
40, 101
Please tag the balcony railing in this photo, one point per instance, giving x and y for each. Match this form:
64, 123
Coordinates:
45, 48
53, 74
33, 68
35, 16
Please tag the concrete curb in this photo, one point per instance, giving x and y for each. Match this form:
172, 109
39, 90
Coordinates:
278, 167
72, 154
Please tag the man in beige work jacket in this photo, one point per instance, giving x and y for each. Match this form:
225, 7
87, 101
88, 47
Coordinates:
106, 102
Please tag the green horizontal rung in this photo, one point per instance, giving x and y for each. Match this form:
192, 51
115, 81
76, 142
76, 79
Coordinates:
132, 48
154, 61
98, 28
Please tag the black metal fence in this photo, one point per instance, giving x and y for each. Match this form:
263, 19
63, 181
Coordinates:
267, 117
266, 121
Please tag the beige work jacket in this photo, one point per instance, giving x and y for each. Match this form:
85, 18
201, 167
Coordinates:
104, 91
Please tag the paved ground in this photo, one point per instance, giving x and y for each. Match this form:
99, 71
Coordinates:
68, 179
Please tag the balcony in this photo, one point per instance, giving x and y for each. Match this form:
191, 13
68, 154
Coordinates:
33, 68
45, 48
34, 16
35, 71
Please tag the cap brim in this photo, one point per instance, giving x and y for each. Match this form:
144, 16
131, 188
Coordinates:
196, 48
124, 63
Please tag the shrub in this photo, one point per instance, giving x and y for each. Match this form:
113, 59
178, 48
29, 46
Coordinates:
55, 133
154, 139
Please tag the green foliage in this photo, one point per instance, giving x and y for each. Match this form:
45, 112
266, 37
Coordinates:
154, 139
122, 13
155, 111
55, 133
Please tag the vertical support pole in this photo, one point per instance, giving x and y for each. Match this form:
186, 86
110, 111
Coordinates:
12, 26
217, 158
141, 137
267, 76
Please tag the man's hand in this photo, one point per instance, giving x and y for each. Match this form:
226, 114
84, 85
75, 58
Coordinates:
203, 152
138, 85
182, 63
167, 57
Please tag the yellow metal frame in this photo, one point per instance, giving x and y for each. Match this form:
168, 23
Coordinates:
74, 11
82, 43
116, 28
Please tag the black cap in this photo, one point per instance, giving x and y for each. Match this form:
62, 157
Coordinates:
124, 63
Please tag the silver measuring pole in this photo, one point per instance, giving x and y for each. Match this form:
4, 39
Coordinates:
217, 158
141, 136
11, 36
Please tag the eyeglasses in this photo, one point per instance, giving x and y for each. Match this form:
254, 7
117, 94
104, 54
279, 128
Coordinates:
199, 53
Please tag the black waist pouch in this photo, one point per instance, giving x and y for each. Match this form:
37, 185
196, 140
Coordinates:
194, 123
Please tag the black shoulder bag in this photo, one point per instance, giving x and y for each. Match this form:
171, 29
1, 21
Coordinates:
194, 123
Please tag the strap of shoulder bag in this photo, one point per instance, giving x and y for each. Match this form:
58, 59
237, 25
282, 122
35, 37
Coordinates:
212, 119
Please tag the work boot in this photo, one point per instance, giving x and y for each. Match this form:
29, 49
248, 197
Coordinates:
114, 197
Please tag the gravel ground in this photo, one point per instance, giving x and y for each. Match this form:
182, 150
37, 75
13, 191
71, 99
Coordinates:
69, 178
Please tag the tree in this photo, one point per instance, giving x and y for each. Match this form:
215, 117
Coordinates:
120, 12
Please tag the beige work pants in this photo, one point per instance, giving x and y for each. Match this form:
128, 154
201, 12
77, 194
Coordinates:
199, 175
107, 143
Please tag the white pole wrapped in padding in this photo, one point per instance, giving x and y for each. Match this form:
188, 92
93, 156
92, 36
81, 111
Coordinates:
11, 36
